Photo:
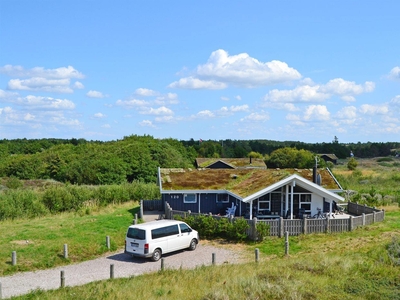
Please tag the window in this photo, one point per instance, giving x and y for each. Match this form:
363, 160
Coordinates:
164, 231
305, 202
222, 198
135, 233
185, 228
189, 198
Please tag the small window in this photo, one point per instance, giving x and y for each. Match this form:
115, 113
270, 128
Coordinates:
135, 233
185, 228
222, 198
189, 198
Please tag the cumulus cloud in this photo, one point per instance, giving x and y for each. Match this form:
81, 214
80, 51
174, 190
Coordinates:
318, 93
99, 115
157, 111
95, 94
316, 112
256, 117
394, 74
78, 85
146, 92
46, 103
41, 84
58, 73
133, 103
369, 109
192, 83
146, 123
222, 69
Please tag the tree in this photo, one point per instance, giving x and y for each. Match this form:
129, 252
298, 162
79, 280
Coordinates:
352, 164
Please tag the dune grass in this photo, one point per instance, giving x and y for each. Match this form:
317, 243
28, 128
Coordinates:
39, 243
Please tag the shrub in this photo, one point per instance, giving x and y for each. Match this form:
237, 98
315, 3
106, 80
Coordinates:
262, 230
352, 164
393, 250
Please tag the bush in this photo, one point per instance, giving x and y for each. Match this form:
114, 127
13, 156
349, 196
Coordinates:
352, 164
394, 251
262, 230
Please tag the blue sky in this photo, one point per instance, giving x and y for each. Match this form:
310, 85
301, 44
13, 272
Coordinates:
279, 70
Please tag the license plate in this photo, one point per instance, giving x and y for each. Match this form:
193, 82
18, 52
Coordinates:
135, 244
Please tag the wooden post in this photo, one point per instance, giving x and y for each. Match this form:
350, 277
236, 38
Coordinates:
351, 223
141, 209
162, 264
281, 227
213, 260
112, 271
327, 225
14, 258
286, 242
108, 242
304, 225
136, 219
65, 251
254, 229
374, 219
363, 219
256, 252
62, 277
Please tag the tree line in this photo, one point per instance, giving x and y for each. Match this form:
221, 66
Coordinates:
136, 158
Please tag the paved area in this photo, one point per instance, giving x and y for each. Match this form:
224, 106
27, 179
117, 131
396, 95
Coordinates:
152, 215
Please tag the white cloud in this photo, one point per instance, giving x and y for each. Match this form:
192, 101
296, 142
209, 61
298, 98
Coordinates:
303, 93
256, 117
146, 123
223, 98
368, 109
317, 93
348, 112
164, 119
146, 92
394, 74
78, 85
241, 70
46, 103
106, 126
316, 113
41, 84
205, 114
157, 111
238, 97
95, 94
134, 103
7, 95
99, 115
58, 73
192, 83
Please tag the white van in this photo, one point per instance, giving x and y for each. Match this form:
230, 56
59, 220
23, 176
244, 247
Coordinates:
152, 239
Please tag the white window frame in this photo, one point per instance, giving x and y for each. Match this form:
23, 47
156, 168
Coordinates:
185, 196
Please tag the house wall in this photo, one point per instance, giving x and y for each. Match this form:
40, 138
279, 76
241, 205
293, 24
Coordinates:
207, 203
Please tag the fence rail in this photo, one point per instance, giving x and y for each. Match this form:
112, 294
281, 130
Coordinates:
277, 227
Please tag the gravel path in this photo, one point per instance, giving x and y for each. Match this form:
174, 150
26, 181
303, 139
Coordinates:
99, 269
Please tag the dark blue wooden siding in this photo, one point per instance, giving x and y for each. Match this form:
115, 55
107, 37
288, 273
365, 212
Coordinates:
208, 203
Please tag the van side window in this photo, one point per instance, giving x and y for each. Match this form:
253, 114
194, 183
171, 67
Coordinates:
164, 231
134, 233
185, 228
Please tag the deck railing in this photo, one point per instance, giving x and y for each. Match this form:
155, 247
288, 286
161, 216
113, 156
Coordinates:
278, 227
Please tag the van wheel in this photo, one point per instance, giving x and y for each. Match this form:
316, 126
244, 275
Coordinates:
156, 255
193, 245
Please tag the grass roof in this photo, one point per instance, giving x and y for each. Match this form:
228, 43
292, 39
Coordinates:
243, 182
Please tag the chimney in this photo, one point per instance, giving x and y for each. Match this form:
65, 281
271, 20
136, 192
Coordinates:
314, 174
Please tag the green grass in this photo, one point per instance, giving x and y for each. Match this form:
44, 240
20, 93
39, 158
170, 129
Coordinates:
39, 243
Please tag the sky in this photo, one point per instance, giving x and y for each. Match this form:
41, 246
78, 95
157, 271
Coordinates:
305, 71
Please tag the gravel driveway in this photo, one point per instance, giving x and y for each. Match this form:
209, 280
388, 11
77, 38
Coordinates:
99, 269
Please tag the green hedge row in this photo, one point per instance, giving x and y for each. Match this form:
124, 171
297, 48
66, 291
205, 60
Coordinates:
24, 203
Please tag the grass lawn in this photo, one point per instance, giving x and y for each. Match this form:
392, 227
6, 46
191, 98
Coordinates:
39, 243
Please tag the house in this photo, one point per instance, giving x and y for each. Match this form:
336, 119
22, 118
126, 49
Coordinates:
329, 157
230, 163
255, 192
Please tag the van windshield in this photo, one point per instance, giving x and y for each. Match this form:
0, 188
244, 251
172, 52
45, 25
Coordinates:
135, 233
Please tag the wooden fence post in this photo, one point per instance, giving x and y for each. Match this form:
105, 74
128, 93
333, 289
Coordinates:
351, 223
162, 263
327, 225
286, 242
304, 225
363, 219
374, 218
14, 258
281, 227
65, 251
112, 271
256, 252
62, 277
254, 229
213, 258
108, 242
